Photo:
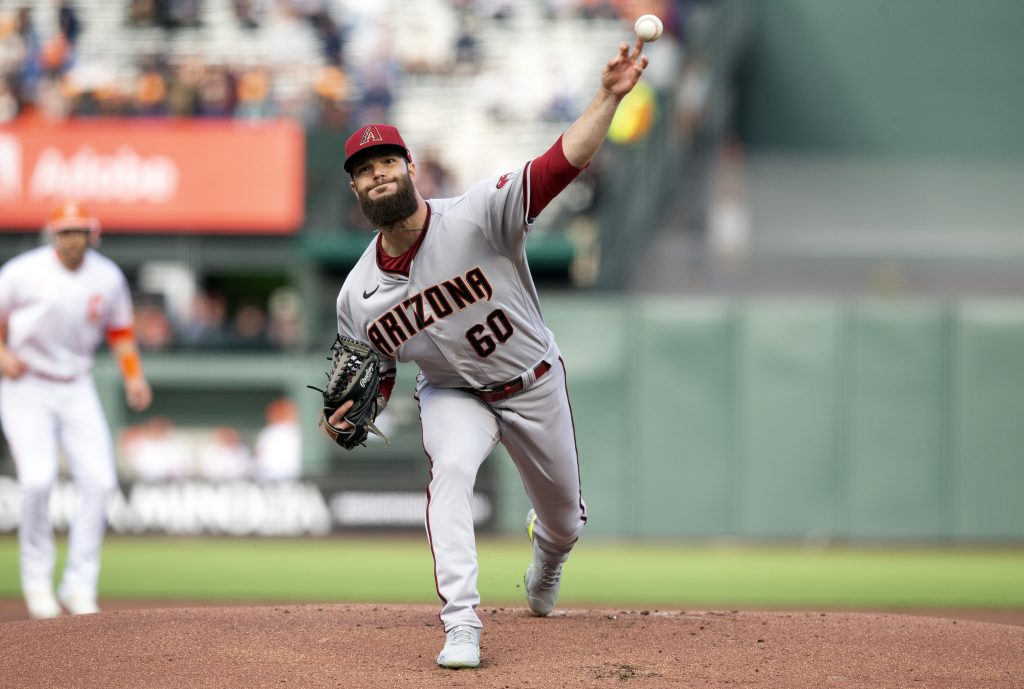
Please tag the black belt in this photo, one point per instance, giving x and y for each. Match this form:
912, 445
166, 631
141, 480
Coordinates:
501, 392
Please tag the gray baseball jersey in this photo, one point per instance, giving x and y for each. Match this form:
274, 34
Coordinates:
468, 314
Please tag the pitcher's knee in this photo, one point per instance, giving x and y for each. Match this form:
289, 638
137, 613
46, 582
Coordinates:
454, 469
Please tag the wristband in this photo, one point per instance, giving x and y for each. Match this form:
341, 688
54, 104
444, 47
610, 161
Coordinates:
131, 365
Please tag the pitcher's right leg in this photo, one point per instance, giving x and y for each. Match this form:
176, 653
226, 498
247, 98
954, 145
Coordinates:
459, 432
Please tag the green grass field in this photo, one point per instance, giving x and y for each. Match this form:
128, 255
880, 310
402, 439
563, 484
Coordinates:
399, 569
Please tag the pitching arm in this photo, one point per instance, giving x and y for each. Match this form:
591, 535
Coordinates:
584, 137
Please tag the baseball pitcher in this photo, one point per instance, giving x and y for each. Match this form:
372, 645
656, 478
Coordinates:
446, 284
57, 302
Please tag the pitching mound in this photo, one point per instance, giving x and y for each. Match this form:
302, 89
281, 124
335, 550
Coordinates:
313, 646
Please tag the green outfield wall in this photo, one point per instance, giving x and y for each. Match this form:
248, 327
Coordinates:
798, 419
766, 419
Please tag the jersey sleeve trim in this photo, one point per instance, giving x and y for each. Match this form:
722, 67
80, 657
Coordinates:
115, 335
549, 174
387, 383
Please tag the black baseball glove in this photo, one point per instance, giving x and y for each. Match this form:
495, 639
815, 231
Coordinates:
354, 375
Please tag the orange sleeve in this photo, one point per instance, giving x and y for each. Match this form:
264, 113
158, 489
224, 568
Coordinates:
130, 363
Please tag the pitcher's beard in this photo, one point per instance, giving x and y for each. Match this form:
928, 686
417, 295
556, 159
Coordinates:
393, 208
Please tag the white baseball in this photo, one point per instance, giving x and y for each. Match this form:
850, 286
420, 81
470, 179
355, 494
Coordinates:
648, 28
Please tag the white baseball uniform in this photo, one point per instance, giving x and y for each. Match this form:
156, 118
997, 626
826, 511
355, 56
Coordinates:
468, 314
54, 319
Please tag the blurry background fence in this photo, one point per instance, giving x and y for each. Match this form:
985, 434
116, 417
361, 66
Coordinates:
771, 419
798, 419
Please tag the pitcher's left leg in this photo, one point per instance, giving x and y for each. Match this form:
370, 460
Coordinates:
537, 429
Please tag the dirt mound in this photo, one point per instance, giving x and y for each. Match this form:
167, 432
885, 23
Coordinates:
314, 646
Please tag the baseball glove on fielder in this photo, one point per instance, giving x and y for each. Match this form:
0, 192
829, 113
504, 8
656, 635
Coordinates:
354, 375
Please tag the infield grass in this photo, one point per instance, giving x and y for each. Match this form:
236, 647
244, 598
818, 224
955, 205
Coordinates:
399, 569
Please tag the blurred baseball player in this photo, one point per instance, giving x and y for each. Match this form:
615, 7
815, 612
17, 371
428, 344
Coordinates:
57, 302
446, 284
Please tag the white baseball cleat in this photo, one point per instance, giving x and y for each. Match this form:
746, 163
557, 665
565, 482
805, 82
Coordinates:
461, 648
41, 604
543, 577
78, 603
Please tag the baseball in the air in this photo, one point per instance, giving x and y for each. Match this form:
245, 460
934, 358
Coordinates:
648, 28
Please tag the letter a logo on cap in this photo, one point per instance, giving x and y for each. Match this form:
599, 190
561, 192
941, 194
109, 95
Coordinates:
371, 134
369, 138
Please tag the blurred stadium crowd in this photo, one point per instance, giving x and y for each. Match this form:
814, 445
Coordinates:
329, 65
326, 62
158, 449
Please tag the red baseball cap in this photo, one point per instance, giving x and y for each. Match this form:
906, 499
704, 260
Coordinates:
372, 136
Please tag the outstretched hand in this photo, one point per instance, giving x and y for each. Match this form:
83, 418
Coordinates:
624, 70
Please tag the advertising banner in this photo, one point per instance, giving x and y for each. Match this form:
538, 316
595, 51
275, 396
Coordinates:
245, 508
175, 176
